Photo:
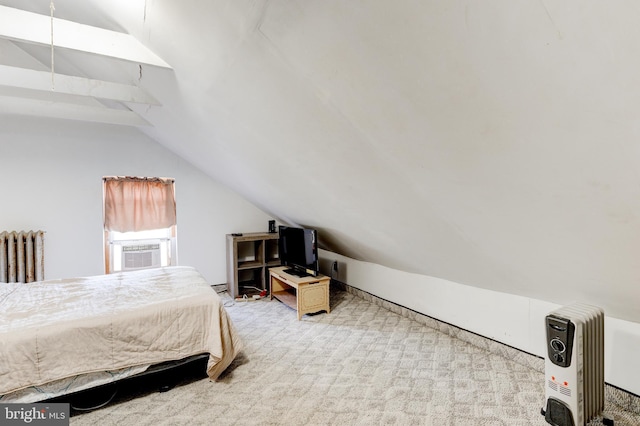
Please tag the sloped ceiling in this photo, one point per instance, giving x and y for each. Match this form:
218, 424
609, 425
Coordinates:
494, 144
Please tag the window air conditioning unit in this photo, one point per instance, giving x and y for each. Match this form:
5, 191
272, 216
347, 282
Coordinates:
140, 256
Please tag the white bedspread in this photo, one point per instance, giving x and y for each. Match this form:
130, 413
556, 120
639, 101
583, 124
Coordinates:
55, 329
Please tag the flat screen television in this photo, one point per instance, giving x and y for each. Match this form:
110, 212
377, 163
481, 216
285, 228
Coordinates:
297, 249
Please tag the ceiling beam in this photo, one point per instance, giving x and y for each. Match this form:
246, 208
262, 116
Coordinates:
68, 111
32, 27
41, 80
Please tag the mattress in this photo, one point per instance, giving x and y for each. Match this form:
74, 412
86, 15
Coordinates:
60, 331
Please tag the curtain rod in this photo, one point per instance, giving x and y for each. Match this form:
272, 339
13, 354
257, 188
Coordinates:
138, 178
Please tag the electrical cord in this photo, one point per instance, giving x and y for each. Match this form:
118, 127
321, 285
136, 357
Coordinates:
100, 405
244, 297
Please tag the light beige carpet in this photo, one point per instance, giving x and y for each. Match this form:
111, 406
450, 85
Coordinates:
359, 365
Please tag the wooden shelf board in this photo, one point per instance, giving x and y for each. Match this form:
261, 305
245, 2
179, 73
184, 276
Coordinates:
287, 297
249, 265
242, 290
249, 283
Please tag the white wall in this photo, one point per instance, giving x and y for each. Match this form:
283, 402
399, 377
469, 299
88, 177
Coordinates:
513, 320
51, 179
490, 143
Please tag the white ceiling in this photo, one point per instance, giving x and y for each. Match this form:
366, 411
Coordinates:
494, 144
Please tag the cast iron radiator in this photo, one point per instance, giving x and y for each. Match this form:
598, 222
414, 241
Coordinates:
21, 256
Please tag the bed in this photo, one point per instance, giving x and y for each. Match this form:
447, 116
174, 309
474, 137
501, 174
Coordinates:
63, 336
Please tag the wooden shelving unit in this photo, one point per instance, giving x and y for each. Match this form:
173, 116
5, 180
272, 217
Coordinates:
249, 257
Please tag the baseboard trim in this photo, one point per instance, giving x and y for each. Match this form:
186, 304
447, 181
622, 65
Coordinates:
613, 394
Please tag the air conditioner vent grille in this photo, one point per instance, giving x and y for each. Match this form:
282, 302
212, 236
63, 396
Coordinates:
140, 256
140, 247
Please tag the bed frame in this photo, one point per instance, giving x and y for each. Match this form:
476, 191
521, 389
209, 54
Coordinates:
157, 378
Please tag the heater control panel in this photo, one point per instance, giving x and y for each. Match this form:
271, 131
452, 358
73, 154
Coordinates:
560, 333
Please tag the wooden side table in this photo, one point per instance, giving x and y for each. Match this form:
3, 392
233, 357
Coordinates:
304, 294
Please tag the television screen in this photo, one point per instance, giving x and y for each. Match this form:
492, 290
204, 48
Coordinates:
298, 250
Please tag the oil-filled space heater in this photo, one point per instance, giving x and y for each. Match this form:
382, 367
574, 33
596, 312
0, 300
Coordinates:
574, 366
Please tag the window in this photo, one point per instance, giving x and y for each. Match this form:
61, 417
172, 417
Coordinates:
139, 223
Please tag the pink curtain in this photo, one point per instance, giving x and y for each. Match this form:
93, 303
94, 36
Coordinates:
138, 204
